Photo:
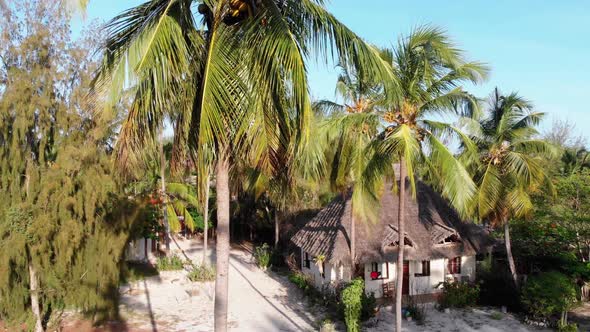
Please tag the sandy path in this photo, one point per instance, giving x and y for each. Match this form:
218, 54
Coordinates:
259, 301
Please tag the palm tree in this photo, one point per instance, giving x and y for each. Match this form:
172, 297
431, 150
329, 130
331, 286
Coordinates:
249, 59
428, 69
574, 160
510, 163
349, 128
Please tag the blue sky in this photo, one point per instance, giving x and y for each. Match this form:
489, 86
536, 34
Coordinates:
539, 48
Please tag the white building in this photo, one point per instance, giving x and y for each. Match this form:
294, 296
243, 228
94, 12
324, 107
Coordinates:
439, 246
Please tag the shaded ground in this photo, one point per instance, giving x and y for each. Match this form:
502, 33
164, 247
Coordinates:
470, 320
581, 316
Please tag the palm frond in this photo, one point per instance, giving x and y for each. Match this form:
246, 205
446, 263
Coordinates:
457, 186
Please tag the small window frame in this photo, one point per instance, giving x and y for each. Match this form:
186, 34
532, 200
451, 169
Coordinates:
378, 267
306, 260
425, 269
454, 265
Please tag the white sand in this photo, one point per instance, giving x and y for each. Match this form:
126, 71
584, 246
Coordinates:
259, 301
470, 320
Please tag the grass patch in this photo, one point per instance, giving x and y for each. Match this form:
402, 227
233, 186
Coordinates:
169, 263
201, 273
497, 315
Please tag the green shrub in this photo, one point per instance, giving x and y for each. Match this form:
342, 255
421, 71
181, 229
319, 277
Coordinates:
567, 327
368, 306
300, 280
262, 255
352, 302
169, 263
459, 295
549, 294
327, 326
200, 273
496, 315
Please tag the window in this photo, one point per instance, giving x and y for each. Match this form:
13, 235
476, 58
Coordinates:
425, 269
377, 271
453, 238
454, 265
306, 260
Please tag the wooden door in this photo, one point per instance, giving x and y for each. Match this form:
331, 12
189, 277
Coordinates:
406, 281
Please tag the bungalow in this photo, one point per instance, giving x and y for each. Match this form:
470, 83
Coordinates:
438, 245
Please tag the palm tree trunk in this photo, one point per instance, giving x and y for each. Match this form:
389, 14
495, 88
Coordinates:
509, 253
352, 243
165, 201
400, 255
34, 284
222, 249
277, 226
206, 223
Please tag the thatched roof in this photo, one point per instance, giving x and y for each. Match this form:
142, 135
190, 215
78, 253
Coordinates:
433, 230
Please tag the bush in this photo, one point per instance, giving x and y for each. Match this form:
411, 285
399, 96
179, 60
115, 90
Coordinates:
368, 305
497, 288
200, 273
459, 295
171, 263
496, 315
352, 302
567, 328
262, 255
549, 294
300, 280
327, 326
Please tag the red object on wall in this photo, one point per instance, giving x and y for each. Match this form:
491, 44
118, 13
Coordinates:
374, 275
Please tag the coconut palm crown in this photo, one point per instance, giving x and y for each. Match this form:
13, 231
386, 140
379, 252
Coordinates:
213, 68
510, 160
429, 70
510, 163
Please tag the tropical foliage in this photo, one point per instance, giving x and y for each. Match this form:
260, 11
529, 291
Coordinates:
428, 70
509, 166
64, 220
230, 77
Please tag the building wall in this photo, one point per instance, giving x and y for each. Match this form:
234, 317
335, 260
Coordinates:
427, 284
376, 286
136, 250
421, 284
332, 274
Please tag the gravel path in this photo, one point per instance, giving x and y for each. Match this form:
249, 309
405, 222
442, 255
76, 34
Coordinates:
259, 301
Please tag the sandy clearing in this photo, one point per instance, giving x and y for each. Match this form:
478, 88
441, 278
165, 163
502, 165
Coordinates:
259, 301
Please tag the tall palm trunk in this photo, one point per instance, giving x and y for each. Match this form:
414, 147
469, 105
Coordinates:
206, 223
34, 285
222, 245
352, 243
509, 253
165, 201
277, 228
400, 255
